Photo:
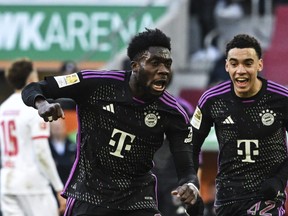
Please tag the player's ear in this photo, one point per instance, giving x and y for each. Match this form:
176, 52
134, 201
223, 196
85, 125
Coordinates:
226, 65
134, 65
260, 65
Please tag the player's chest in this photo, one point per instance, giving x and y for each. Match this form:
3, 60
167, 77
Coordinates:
125, 115
249, 119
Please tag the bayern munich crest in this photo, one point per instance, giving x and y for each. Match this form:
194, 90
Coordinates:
267, 117
151, 119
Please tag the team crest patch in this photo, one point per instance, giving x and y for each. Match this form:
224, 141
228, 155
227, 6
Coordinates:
267, 117
67, 80
151, 119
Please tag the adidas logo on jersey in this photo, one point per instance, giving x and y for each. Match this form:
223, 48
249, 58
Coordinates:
228, 120
109, 108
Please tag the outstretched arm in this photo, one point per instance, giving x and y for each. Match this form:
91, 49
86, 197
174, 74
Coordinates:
33, 95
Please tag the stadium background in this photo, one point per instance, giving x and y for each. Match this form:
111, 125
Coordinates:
94, 34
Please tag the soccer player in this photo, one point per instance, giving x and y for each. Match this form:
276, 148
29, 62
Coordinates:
250, 116
123, 116
28, 169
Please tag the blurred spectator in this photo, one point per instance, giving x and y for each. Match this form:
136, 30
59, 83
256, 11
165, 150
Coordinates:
63, 150
28, 169
218, 73
68, 67
228, 17
203, 12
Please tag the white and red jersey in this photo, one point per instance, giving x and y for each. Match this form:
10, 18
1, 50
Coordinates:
24, 152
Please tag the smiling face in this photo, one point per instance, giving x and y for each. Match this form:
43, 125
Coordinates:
243, 66
151, 73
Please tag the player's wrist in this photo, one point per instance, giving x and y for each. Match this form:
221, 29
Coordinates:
193, 187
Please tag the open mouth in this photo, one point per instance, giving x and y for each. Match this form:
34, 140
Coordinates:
159, 85
241, 81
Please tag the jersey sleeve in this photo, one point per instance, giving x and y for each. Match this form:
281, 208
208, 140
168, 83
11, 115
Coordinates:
201, 125
54, 87
179, 136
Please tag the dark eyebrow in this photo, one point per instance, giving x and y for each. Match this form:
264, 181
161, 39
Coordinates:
245, 60
159, 58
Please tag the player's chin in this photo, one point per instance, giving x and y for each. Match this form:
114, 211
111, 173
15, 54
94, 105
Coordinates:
157, 92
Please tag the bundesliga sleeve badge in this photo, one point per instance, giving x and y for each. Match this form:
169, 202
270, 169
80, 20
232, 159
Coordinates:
67, 80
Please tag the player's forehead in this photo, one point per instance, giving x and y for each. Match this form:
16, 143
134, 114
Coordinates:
159, 52
241, 54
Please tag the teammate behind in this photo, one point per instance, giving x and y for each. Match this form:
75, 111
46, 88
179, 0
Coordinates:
27, 168
250, 116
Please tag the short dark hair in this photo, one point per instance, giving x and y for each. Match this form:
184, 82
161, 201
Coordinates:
18, 73
244, 41
143, 40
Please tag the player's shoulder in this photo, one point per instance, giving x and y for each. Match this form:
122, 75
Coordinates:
170, 104
14, 101
215, 92
277, 88
13, 107
103, 74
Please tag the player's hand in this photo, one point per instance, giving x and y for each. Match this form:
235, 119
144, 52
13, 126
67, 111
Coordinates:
187, 193
62, 203
49, 112
273, 188
197, 209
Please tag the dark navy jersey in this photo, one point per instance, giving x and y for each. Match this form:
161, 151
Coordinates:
251, 134
117, 138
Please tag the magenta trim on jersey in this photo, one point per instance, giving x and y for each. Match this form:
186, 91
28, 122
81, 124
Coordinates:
138, 100
102, 71
103, 76
276, 84
248, 101
174, 104
69, 206
179, 107
277, 88
88, 74
214, 88
77, 153
276, 91
217, 90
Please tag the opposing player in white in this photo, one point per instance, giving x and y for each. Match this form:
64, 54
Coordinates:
28, 169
